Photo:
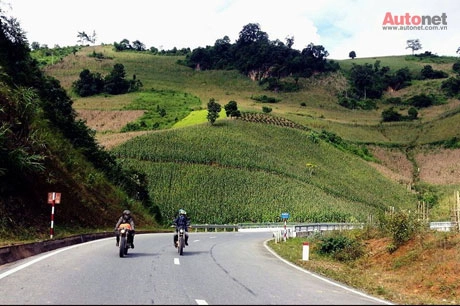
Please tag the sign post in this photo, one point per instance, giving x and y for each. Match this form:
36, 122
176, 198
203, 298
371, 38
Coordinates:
285, 216
53, 198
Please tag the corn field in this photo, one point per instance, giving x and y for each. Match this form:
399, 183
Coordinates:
238, 171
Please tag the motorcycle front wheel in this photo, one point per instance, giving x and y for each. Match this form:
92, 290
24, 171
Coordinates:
122, 246
181, 244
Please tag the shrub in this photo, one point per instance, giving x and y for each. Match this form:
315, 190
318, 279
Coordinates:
265, 99
428, 73
456, 67
451, 86
393, 100
391, 115
266, 109
401, 226
340, 247
421, 100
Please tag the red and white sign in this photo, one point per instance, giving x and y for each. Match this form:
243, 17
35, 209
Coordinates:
54, 197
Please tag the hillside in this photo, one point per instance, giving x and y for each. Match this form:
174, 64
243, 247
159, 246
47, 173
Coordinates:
405, 152
44, 148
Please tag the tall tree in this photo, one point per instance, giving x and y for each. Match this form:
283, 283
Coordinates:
115, 82
252, 33
213, 111
414, 44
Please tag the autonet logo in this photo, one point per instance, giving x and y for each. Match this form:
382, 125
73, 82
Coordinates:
416, 22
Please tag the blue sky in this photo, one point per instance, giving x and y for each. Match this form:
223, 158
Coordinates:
340, 26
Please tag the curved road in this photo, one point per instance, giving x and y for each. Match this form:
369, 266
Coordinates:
217, 268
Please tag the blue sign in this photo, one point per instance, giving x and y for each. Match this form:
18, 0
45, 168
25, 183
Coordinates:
285, 215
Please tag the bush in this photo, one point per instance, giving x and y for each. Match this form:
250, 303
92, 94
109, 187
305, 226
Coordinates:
456, 67
340, 247
265, 99
391, 115
393, 100
421, 100
266, 109
428, 73
451, 87
401, 226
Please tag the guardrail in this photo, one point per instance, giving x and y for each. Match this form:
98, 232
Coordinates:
239, 226
298, 230
306, 229
214, 227
443, 226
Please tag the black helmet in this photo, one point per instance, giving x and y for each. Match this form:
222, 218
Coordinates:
126, 213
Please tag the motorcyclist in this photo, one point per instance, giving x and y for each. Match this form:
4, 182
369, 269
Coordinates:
181, 221
126, 218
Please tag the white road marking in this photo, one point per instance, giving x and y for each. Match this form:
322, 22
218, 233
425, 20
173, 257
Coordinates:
176, 261
201, 302
52, 253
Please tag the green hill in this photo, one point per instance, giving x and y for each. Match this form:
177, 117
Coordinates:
241, 161
239, 171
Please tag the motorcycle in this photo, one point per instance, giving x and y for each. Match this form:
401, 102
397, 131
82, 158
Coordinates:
180, 243
124, 230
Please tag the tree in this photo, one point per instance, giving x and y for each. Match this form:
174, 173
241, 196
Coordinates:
289, 41
35, 45
252, 33
88, 84
414, 44
213, 111
83, 37
231, 109
138, 46
122, 45
352, 54
115, 82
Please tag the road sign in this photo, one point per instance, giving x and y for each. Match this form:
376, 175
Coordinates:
285, 215
54, 197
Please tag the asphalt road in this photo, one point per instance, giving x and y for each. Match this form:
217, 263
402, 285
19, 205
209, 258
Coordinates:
224, 268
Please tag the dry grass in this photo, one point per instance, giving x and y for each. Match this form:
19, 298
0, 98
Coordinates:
104, 121
424, 271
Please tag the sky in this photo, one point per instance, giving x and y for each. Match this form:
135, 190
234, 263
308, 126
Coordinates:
340, 26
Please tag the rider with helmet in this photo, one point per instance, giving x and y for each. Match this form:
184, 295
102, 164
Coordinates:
126, 218
181, 221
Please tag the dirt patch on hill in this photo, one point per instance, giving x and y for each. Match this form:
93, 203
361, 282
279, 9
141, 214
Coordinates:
108, 124
434, 167
440, 167
103, 121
